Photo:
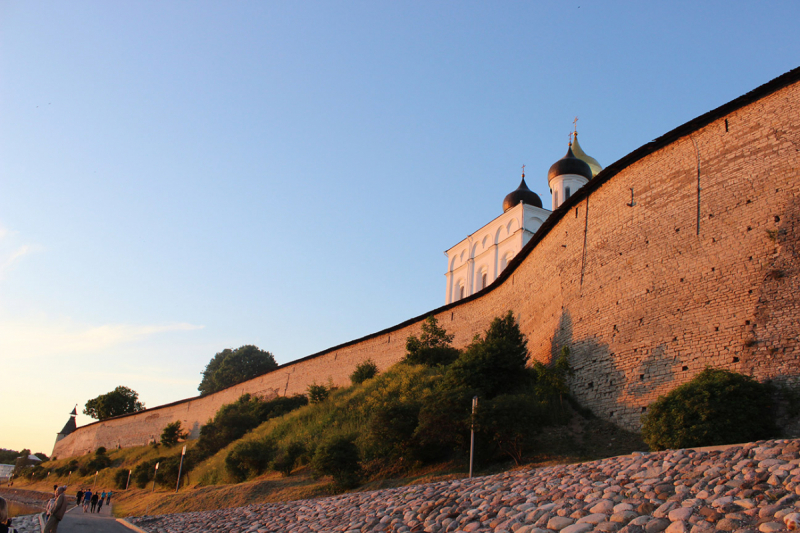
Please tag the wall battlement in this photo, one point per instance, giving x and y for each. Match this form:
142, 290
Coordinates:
683, 254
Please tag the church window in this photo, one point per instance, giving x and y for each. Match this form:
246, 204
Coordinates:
483, 280
555, 198
566, 194
460, 292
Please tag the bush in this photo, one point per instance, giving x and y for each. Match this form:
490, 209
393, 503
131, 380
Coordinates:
72, 466
716, 407
121, 478
250, 458
144, 472
432, 348
99, 462
101, 451
172, 434
287, 458
363, 372
339, 458
318, 393
233, 420
391, 427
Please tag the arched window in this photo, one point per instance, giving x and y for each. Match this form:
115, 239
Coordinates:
566, 194
460, 292
483, 280
555, 198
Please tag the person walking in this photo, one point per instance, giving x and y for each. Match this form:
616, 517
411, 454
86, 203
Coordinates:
79, 498
87, 498
108, 498
57, 512
94, 502
100, 501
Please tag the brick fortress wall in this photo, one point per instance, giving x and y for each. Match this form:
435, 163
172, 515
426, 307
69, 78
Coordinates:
682, 255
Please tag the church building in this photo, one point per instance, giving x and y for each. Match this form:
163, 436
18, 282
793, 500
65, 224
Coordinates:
478, 260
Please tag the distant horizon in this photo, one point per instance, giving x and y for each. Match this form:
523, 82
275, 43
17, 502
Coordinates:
176, 182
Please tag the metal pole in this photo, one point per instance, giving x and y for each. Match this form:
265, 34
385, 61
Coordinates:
128, 483
69, 476
154, 478
180, 469
95, 480
472, 434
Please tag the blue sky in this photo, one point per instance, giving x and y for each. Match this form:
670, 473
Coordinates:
177, 178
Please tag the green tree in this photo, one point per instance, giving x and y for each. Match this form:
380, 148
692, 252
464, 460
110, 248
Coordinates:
120, 401
716, 407
364, 371
229, 367
493, 363
511, 422
172, 434
433, 347
250, 458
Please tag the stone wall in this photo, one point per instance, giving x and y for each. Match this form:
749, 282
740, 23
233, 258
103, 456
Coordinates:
683, 254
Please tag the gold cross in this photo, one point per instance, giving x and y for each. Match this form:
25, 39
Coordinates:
523, 171
575, 123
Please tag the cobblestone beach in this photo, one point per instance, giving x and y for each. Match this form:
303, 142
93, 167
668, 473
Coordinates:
743, 489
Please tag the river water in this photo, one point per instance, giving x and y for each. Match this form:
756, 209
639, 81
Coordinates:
17, 509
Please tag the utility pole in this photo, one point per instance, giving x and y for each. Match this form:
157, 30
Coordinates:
472, 434
154, 478
180, 469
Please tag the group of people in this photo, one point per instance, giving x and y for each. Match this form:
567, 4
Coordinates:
92, 503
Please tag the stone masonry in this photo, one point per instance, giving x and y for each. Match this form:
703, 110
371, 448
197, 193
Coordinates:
682, 255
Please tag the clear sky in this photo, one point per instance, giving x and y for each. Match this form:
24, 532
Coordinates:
180, 177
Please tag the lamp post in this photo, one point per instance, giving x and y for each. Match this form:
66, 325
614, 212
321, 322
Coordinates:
472, 434
95, 480
69, 476
180, 469
154, 478
127, 484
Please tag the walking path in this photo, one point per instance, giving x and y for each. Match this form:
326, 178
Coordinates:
76, 521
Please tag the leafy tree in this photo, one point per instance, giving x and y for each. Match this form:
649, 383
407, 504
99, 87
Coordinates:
172, 434
364, 371
433, 347
552, 380
120, 401
494, 363
7, 457
229, 367
716, 407
338, 457
318, 393
121, 478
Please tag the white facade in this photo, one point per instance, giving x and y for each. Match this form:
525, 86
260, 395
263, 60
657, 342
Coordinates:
564, 186
476, 261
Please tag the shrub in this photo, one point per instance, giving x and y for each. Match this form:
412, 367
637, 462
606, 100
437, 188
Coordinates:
99, 462
338, 457
144, 472
172, 434
121, 478
318, 393
233, 420
364, 371
72, 466
250, 458
433, 347
287, 458
391, 427
716, 407
101, 450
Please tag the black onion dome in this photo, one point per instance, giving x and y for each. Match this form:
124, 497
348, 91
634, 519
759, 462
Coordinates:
569, 164
523, 195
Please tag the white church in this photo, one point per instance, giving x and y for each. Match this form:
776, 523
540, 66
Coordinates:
478, 260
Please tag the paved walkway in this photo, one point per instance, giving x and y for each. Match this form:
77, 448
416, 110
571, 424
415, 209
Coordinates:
76, 521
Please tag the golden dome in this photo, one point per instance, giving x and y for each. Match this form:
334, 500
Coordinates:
580, 154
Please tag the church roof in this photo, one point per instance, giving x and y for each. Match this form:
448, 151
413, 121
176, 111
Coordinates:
569, 164
522, 195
